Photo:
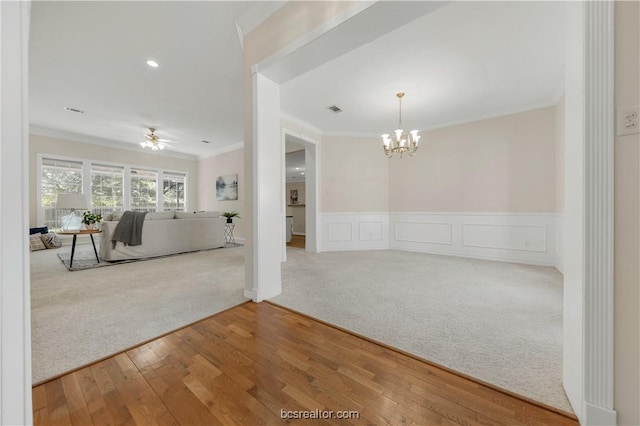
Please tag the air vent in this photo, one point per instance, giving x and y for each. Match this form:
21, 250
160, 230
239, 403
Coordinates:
79, 111
205, 141
335, 108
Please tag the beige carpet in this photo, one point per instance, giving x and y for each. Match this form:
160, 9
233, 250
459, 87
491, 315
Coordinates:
498, 322
81, 316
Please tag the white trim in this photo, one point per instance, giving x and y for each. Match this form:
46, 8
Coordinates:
599, 130
509, 237
559, 256
343, 231
223, 150
471, 119
268, 191
306, 38
599, 416
15, 288
294, 120
312, 188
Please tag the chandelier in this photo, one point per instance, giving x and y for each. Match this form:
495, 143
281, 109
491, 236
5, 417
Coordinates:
152, 141
401, 142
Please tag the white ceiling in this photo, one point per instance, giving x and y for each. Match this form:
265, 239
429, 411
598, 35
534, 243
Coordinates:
463, 61
92, 56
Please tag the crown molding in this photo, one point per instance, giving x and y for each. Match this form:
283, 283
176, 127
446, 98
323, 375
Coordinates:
223, 150
93, 140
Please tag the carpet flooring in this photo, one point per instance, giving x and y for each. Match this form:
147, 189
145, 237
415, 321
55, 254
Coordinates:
82, 316
498, 322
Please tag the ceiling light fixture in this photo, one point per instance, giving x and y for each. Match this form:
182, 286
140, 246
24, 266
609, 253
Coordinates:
153, 64
152, 141
79, 111
402, 141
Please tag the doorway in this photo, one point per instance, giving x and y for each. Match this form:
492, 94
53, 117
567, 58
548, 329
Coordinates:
300, 192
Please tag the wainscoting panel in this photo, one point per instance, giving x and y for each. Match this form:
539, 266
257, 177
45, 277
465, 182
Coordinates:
417, 232
371, 231
512, 237
339, 232
354, 231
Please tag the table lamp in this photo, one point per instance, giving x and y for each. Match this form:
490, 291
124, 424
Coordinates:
73, 202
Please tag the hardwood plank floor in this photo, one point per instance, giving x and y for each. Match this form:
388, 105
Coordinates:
297, 241
251, 363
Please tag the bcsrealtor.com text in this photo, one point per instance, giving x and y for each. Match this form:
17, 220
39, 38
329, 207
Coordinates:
319, 414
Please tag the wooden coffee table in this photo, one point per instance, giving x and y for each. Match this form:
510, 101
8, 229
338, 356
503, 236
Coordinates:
75, 234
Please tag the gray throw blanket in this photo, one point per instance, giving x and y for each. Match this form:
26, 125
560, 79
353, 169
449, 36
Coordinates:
129, 229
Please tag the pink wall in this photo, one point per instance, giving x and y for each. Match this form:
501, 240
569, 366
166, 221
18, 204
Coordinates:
208, 170
503, 164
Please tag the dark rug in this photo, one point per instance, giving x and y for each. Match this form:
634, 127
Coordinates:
87, 260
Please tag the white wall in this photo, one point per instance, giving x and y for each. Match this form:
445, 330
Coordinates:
573, 345
559, 120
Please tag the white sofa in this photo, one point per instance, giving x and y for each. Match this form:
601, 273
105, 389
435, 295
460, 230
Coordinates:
165, 233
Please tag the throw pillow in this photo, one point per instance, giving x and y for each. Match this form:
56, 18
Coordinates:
40, 230
36, 242
51, 240
117, 215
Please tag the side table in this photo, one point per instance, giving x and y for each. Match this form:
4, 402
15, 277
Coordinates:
75, 234
228, 233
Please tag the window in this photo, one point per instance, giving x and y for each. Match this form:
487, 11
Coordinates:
173, 191
110, 187
143, 190
106, 188
58, 177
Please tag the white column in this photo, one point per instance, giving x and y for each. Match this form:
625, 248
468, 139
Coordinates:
268, 201
15, 315
598, 157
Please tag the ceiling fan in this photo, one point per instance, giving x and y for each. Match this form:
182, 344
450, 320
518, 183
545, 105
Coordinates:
153, 141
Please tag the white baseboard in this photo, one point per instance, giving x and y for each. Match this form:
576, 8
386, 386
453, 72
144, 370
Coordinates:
595, 415
249, 295
511, 237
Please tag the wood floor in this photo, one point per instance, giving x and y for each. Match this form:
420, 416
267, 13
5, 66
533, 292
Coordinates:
297, 241
254, 362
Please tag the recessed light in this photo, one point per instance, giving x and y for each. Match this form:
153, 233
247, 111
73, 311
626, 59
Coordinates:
301, 173
79, 111
153, 64
297, 168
